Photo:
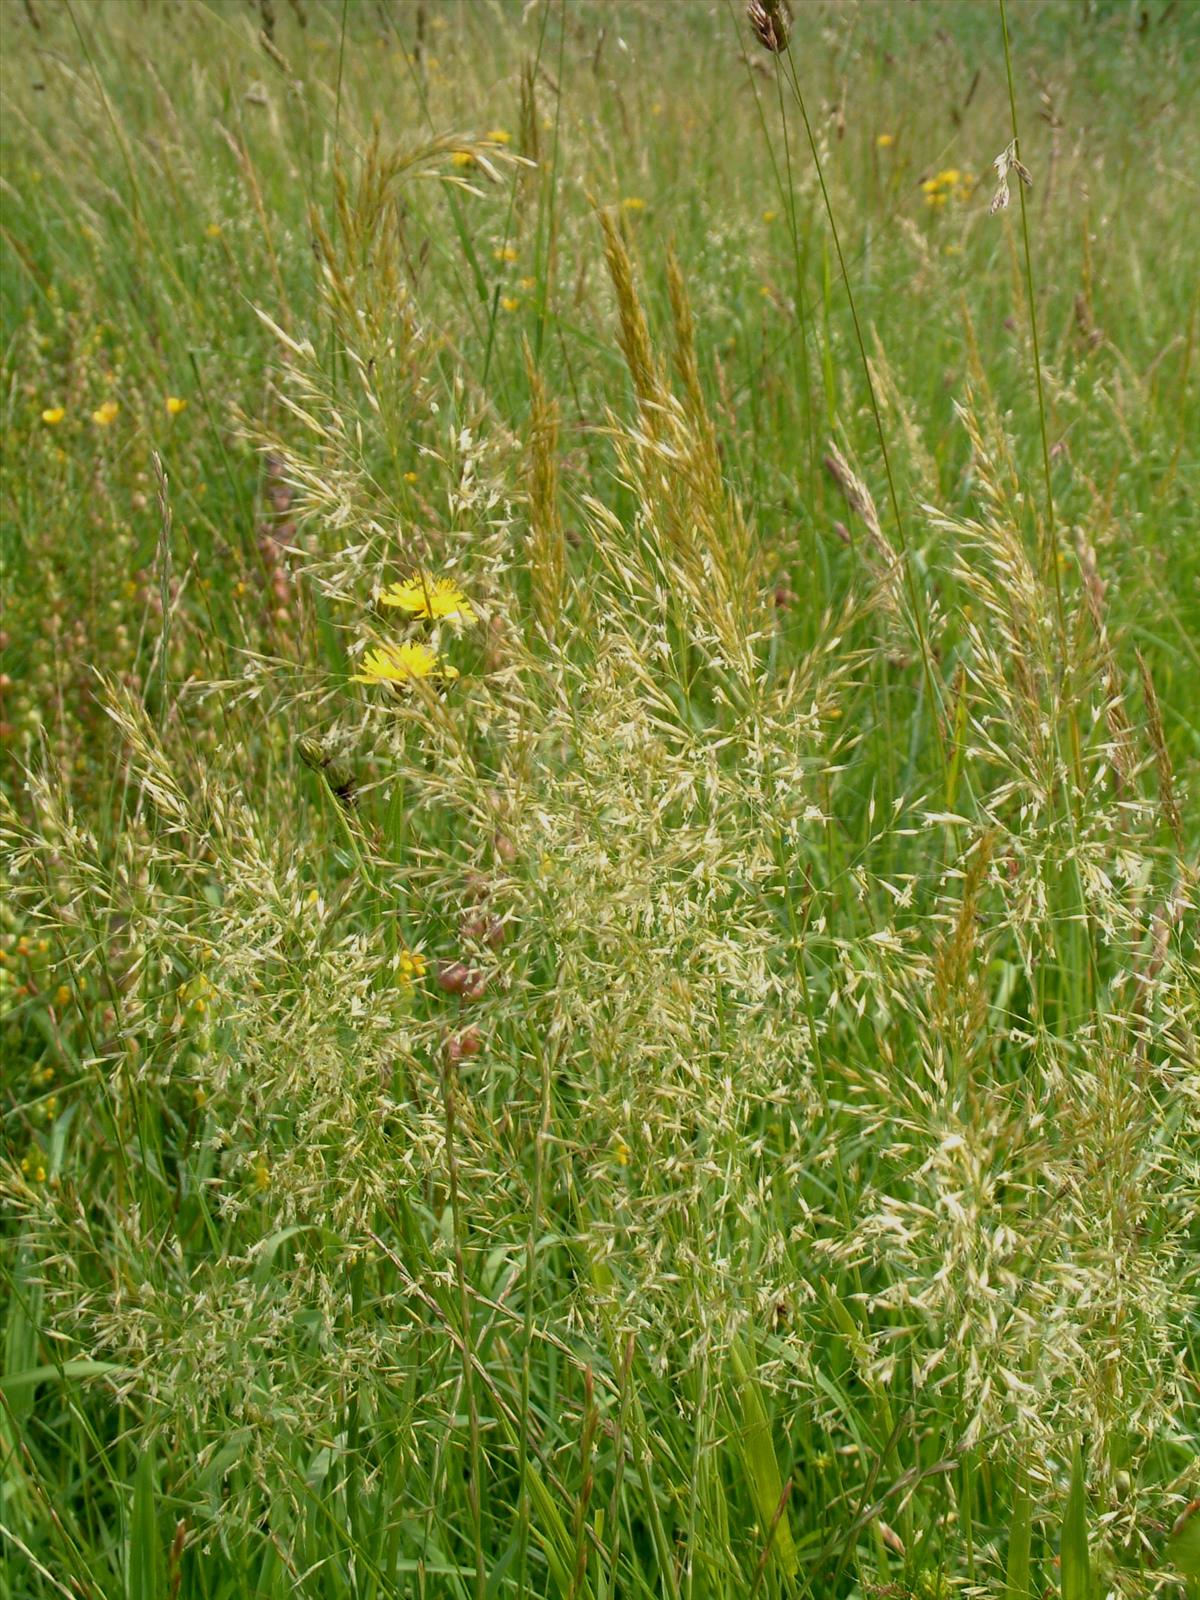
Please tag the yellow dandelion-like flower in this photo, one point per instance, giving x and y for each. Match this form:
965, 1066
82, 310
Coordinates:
505, 253
427, 596
53, 415
461, 158
634, 202
410, 477
62, 996
769, 216
500, 136
527, 284
213, 230
885, 141
175, 405
402, 663
262, 1176
106, 414
509, 302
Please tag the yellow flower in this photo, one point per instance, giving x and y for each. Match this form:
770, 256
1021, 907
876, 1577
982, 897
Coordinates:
262, 1176
527, 284
402, 663
507, 253
634, 202
412, 965
62, 996
427, 596
509, 302
949, 177
769, 216
461, 158
621, 1153
930, 185
175, 405
213, 230
500, 136
410, 477
885, 141
53, 415
105, 414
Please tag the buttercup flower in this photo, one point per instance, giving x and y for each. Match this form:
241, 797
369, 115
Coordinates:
53, 415
506, 253
461, 158
175, 405
509, 302
500, 136
105, 414
885, 141
427, 596
634, 202
402, 663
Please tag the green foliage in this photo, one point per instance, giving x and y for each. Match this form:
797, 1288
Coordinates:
692, 1091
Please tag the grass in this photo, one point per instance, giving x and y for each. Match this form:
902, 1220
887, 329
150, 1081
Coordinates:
693, 1091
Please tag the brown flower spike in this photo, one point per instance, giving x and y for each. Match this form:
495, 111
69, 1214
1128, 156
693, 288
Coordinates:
771, 21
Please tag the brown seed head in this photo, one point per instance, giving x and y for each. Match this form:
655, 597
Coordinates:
772, 23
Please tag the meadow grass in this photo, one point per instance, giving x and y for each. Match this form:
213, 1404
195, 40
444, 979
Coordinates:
601, 697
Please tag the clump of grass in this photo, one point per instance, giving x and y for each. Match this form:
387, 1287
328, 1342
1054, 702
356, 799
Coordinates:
590, 1016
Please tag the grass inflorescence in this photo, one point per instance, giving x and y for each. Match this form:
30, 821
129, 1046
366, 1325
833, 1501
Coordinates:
598, 973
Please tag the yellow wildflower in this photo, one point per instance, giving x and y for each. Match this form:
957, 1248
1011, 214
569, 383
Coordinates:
427, 596
411, 965
500, 136
509, 302
62, 996
213, 230
53, 415
885, 141
410, 477
769, 216
175, 405
506, 253
262, 1176
402, 663
634, 202
527, 284
461, 158
106, 413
